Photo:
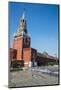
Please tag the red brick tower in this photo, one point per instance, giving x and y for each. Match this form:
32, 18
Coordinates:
21, 39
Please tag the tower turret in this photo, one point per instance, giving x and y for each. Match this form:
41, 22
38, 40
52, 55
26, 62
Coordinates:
23, 25
22, 30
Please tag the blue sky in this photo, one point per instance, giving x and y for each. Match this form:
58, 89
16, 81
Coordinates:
42, 25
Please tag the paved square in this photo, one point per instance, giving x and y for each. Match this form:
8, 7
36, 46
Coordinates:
31, 77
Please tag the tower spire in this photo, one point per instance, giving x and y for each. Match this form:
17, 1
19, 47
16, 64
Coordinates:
23, 25
23, 16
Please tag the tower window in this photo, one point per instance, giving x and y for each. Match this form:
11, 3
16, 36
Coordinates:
23, 20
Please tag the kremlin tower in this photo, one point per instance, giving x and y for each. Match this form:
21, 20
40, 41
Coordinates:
22, 42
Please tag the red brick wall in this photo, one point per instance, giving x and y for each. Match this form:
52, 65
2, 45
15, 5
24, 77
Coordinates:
27, 55
18, 45
12, 54
33, 54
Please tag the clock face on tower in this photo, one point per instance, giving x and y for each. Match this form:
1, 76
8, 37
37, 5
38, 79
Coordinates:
26, 42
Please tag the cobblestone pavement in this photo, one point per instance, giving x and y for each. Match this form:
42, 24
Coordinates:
31, 78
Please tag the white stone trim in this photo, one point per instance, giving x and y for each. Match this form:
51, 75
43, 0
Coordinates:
26, 63
30, 64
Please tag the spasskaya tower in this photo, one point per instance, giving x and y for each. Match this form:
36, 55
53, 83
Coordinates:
21, 38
